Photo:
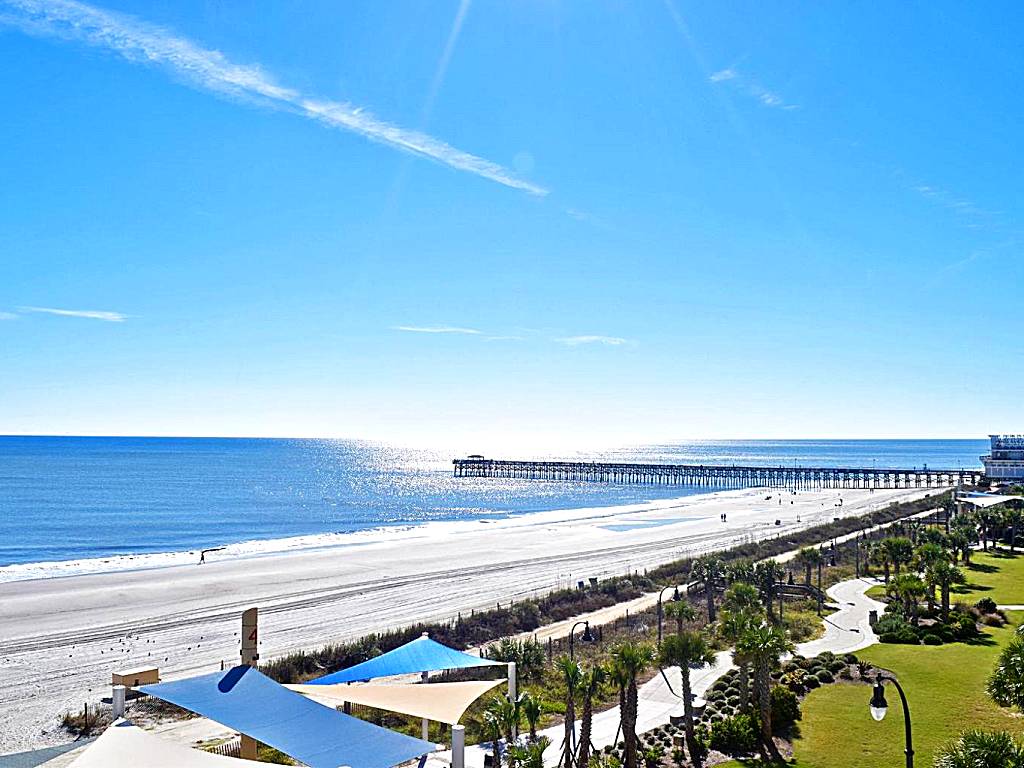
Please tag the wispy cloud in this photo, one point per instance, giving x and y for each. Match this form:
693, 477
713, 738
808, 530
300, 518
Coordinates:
751, 87
8, 316
575, 341
967, 213
437, 329
144, 43
91, 314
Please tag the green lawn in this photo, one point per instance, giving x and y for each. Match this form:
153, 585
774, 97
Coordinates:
946, 689
999, 576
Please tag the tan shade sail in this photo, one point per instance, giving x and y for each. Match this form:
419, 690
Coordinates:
440, 702
123, 745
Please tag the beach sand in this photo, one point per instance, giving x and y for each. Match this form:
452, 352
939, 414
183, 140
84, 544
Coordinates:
61, 638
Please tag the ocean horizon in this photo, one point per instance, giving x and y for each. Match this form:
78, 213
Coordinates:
80, 504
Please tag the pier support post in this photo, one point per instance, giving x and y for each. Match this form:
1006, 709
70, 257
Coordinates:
458, 746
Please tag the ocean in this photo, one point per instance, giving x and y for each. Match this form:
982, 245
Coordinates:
81, 504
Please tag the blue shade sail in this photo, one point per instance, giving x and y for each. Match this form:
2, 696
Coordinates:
420, 655
250, 702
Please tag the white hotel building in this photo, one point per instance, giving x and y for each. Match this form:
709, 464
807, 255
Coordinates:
1005, 460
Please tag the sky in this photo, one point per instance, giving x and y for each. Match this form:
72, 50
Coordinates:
480, 223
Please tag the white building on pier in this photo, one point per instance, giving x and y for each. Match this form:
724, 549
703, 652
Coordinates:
1005, 460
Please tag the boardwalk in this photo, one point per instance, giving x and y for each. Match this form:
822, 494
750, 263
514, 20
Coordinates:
716, 476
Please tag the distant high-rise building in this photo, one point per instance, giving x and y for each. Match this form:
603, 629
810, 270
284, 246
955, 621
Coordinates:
1005, 460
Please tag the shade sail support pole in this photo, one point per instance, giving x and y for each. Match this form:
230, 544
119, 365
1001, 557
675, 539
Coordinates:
250, 658
458, 746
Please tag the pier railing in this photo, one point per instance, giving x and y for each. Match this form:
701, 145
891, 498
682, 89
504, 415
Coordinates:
719, 476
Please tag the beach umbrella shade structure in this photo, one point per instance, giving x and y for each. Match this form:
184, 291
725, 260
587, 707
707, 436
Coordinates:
440, 702
124, 745
419, 655
248, 701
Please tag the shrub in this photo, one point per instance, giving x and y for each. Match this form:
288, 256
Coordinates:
991, 620
930, 639
811, 682
850, 658
785, 708
986, 605
795, 680
825, 677
965, 628
837, 666
733, 735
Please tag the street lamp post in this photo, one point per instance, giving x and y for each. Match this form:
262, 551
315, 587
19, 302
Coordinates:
661, 610
586, 637
879, 706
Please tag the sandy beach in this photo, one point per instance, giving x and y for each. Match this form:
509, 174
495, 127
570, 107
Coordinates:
60, 638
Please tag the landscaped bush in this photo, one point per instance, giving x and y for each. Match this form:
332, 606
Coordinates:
795, 680
825, 677
966, 628
733, 735
992, 620
850, 658
986, 605
785, 708
930, 639
810, 682
837, 666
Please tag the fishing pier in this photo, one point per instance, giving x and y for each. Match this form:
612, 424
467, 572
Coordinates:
715, 476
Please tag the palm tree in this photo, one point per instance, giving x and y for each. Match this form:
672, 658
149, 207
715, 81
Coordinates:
683, 651
1006, 684
767, 574
629, 660
959, 542
908, 589
808, 557
732, 625
572, 677
741, 596
681, 611
528, 755
943, 574
981, 749
590, 684
1014, 519
710, 570
494, 721
899, 551
532, 708
763, 645
925, 557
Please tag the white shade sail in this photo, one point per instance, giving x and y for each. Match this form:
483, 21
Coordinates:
987, 500
440, 702
123, 745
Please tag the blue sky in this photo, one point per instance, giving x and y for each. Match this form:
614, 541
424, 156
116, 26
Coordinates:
492, 224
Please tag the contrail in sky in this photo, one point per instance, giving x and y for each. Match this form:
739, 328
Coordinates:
144, 43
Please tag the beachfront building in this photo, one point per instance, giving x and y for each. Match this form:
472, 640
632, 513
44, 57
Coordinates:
1005, 461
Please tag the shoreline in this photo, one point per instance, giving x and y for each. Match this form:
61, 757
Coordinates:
257, 548
61, 638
